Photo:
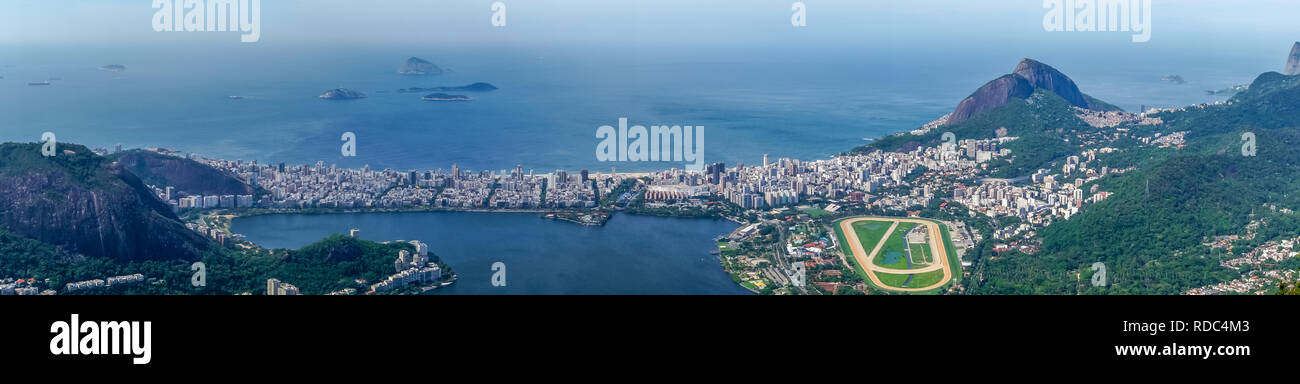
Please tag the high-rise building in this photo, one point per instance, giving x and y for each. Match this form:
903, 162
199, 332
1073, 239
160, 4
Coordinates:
275, 287
403, 261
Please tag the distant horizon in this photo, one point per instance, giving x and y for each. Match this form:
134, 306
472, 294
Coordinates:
856, 71
1186, 24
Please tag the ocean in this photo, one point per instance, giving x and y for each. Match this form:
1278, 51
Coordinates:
799, 102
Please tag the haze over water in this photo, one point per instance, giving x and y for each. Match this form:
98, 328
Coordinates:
756, 84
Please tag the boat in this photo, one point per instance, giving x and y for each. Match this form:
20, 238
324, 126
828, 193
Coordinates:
39, 83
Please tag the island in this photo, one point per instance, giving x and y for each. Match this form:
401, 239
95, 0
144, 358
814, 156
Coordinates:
1229, 91
445, 97
342, 94
418, 66
476, 87
591, 219
113, 68
1174, 79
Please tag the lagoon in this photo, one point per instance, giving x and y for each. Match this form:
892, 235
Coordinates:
629, 255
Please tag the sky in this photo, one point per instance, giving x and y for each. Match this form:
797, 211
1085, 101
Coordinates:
1231, 25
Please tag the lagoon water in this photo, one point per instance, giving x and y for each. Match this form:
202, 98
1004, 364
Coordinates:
629, 255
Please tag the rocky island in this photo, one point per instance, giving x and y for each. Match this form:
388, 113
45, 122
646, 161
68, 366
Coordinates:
113, 68
476, 87
1174, 79
418, 66
342, 94
445, 97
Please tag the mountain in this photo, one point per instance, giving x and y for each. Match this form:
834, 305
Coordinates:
185, 175
1293, 61
1042, 122
993, 94
1150, 232
418, 66
85, 203
1028, 75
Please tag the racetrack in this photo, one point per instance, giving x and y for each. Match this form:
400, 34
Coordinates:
864, 259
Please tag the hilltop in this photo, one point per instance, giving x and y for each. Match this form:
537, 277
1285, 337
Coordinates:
88, 204
185, 175
1029, 75
1150, 234
1037, 104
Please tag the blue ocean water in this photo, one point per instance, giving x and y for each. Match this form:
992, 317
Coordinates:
629, 255
801, 102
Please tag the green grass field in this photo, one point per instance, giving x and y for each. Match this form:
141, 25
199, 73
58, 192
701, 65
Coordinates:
816, 212
895, 243
921, 255
925, 279
892, 280
870, 232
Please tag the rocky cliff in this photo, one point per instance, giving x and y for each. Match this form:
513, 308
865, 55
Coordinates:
1029, 75
1293, 61
183, 174
84, 203
993, 94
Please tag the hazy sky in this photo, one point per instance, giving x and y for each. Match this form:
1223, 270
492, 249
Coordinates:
1186, 23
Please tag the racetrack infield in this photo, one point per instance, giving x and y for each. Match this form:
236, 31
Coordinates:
866, 260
